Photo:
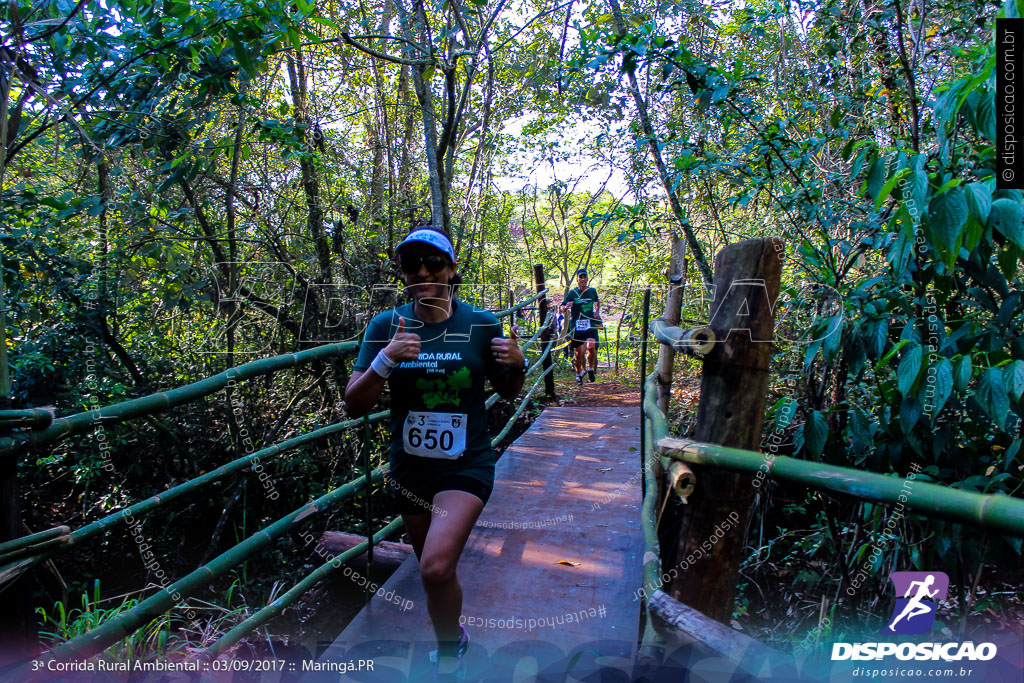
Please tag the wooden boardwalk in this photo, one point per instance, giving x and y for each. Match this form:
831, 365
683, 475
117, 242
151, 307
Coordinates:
567, 490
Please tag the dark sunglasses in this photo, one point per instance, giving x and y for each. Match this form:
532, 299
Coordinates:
410, 263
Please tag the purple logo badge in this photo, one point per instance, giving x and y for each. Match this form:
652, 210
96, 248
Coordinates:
917, 594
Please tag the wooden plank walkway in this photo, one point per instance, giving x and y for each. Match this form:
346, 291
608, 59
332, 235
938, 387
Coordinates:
567, 489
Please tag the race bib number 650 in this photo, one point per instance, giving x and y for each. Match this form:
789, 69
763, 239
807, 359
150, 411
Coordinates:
435, 435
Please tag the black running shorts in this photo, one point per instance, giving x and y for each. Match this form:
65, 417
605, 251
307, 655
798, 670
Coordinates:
580, 338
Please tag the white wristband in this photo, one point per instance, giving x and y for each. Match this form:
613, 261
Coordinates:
382, 365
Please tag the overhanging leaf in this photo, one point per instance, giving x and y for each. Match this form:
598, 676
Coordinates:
979, 200
785, 415
1008, 218
948, 213
938, 386
879, 335
876, 176
916, 194
886, 190
815, 434
891, 352
909, 367
962, 373
910, 413
991, 395
1013, 379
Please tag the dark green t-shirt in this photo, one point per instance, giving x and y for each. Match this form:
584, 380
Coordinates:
582, 304
437, 401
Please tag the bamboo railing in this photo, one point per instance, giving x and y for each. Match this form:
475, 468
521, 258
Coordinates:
998, 512
19, 555
128, 621
27, 418
149, 504
995, 511
296, 592
154, 403
657, 428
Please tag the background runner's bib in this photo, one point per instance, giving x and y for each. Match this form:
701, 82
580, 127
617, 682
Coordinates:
583, 324
435, 435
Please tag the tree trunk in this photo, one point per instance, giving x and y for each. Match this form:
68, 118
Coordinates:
673, 306
652, 141
310, 179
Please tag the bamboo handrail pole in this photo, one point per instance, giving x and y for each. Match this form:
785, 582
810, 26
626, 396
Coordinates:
522, 406
649, 525
27, 418
295, 592
128, 621
996, 511
537, 333
144, 506
493, 398
694, 341
48, 547
147, 505
12, 570
32, 539
160, 401
679, 477
659, 424
651, 568
521, 304
546, 314
364, 448
519, 411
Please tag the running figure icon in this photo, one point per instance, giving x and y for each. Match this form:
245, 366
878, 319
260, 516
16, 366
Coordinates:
915, 607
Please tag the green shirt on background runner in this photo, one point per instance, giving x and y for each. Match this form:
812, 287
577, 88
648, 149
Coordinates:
582, 309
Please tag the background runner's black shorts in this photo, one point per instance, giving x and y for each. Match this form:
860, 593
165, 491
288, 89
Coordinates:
580, 338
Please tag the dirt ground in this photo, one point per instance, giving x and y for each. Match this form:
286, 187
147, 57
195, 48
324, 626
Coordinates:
606, 391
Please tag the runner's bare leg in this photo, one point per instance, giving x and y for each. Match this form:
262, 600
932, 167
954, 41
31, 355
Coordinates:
450, 524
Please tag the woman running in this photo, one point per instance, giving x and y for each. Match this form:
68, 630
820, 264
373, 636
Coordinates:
434, 353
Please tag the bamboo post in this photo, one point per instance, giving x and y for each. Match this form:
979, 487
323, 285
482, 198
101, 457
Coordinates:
369, 513
673, 306
643, 378
734, 386
545, 337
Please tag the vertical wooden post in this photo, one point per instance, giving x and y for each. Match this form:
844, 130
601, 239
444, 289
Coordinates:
545, 336
673, 305
622, 315
731, 413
